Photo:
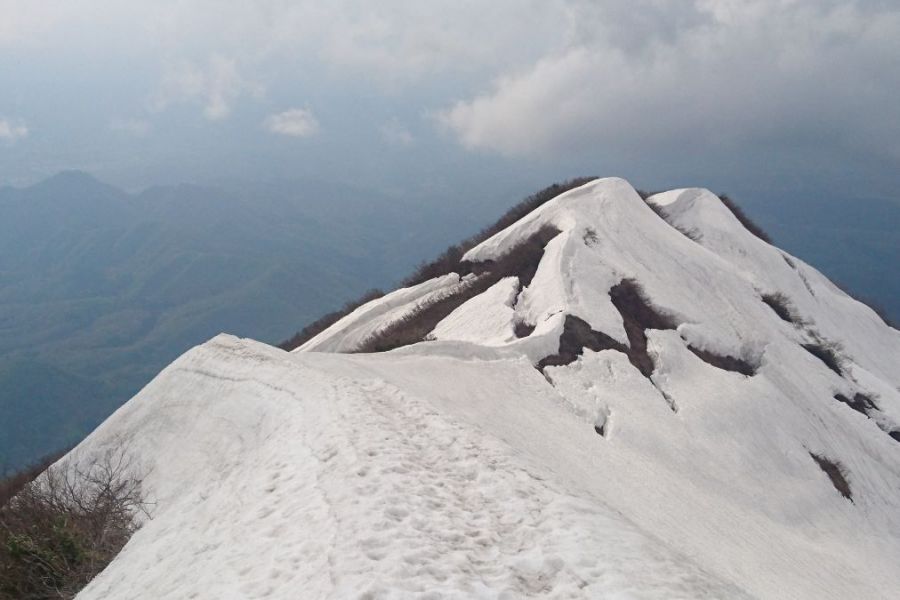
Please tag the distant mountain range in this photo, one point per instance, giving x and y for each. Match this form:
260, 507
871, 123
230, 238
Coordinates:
99, 289
612, 396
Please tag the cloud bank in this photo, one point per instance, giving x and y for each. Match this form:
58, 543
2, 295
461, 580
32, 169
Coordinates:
622, 86
215, 85
12, 131
704, 74
295, 122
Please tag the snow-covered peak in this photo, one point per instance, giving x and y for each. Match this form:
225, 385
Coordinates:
611, 397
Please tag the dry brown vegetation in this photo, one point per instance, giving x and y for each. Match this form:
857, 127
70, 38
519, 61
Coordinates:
835, 472
326, 321
873, 304
576, 336
638, 315
779, 303
449, 261
827, 352
724, 361
691, 234
521, 262
62, 527
741, 216
12, 483
860, 402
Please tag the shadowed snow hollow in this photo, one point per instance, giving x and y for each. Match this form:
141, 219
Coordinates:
660, 412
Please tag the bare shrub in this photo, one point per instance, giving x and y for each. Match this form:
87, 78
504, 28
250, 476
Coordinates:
637, 316
835, 472
741, 216
415, 326
576, 336
521, 261
692, 234
659, 210
326, 321
827, 352
724, 361
13, 482
450, 261
63, 527
871, 303
860, 402
521, 329
780, 303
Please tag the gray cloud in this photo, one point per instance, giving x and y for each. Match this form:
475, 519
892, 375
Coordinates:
639, 86
12, 130
716, 74
130, 126
215, 85
395, 133
295, 122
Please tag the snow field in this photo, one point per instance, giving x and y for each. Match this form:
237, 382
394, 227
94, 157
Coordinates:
453, 468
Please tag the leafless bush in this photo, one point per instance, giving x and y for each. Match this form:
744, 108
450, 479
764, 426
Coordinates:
449, 261
576, 336
521, 262
780, 303
659, 210
12, 482
827, 352
521, 329
326, 321
835, 472
860, 402
724, 361
638, 315
741, 216
692, 233
63, 527
877, 308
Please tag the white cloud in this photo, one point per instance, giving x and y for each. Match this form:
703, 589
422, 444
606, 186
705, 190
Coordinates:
722, 73
129, 126
216, 86
396, 134
295, 122
26, 23
12, 131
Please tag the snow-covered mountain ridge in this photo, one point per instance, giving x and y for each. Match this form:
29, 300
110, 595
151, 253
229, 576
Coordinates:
657, 404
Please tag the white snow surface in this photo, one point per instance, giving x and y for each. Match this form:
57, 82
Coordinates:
453, 468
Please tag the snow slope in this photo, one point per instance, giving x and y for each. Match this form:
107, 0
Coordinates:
453, 468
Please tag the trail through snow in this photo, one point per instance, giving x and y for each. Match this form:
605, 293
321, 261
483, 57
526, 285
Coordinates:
455, 468
351, 488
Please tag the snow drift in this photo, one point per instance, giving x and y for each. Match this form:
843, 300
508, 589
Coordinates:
634, 422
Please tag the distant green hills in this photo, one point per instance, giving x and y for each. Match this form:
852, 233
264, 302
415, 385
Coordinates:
100, 289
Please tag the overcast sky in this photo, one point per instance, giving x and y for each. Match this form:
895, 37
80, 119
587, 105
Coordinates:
745, 95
